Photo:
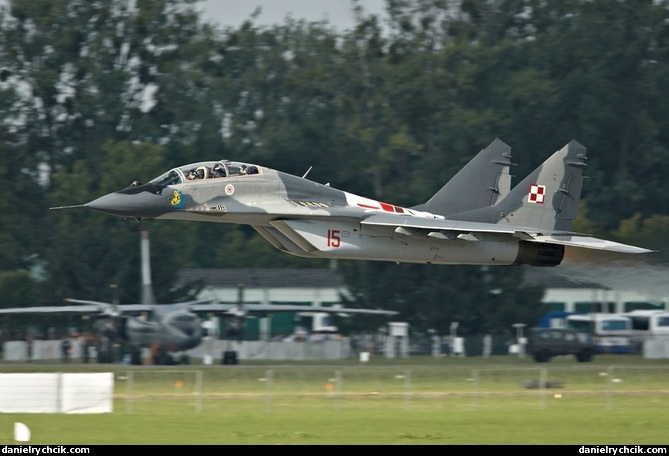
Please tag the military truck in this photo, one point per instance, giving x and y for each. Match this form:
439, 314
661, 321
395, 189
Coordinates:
546, 343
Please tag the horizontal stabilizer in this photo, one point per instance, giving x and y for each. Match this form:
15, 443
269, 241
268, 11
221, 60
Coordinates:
587, 242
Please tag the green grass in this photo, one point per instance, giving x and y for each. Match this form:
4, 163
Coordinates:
359, 421
441, 402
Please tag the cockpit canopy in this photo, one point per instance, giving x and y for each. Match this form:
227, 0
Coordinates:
205, 170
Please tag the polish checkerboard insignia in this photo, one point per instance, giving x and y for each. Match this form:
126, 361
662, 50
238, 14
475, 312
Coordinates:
537, 194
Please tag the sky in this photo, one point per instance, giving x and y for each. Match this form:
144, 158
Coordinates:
336, 12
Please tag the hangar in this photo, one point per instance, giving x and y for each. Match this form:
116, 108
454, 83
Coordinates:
307, 287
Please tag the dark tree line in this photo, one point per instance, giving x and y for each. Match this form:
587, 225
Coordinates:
94, 95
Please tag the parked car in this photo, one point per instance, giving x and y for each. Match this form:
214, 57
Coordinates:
546, 343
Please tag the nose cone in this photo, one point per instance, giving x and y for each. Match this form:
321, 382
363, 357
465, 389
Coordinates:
141, 204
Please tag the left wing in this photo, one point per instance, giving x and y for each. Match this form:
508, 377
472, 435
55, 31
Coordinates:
83, 309
459, 229
99, 308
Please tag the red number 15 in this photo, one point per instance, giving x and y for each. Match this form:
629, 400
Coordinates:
333, 238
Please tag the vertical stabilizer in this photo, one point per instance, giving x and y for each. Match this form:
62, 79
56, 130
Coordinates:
147, 287
482, 182
547, 199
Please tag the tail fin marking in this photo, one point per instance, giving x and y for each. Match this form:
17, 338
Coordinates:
547, 198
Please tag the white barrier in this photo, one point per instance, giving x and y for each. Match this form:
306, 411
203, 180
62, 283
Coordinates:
57, 393
308, 350
259, 350
656, 348
19, 350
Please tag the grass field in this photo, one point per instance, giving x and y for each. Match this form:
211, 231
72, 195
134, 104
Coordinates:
617, 399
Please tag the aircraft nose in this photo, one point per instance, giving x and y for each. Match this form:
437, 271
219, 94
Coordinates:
138, 205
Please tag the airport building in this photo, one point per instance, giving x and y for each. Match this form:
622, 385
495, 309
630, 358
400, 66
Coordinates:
570, 290
304, 287
567, 290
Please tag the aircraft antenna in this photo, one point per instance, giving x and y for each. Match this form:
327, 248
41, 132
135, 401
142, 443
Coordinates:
305, 174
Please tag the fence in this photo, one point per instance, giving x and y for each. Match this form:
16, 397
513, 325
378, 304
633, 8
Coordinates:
535, 387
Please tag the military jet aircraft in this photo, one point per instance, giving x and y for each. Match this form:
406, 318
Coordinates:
479, 222
170, 329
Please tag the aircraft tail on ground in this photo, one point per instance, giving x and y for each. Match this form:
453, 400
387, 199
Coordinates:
546, 199
482, 182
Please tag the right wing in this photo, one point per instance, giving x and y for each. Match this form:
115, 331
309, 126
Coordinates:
266, 309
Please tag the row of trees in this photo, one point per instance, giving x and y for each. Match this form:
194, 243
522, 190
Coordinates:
94, 95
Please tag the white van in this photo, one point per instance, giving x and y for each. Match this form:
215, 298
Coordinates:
611, 333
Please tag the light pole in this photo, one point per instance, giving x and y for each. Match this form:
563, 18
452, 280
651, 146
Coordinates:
520, 339
454, 329
434, 338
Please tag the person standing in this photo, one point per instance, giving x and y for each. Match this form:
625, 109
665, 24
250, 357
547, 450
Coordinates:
65, 350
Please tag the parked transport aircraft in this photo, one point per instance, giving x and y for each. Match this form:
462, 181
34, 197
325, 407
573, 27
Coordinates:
169, 330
